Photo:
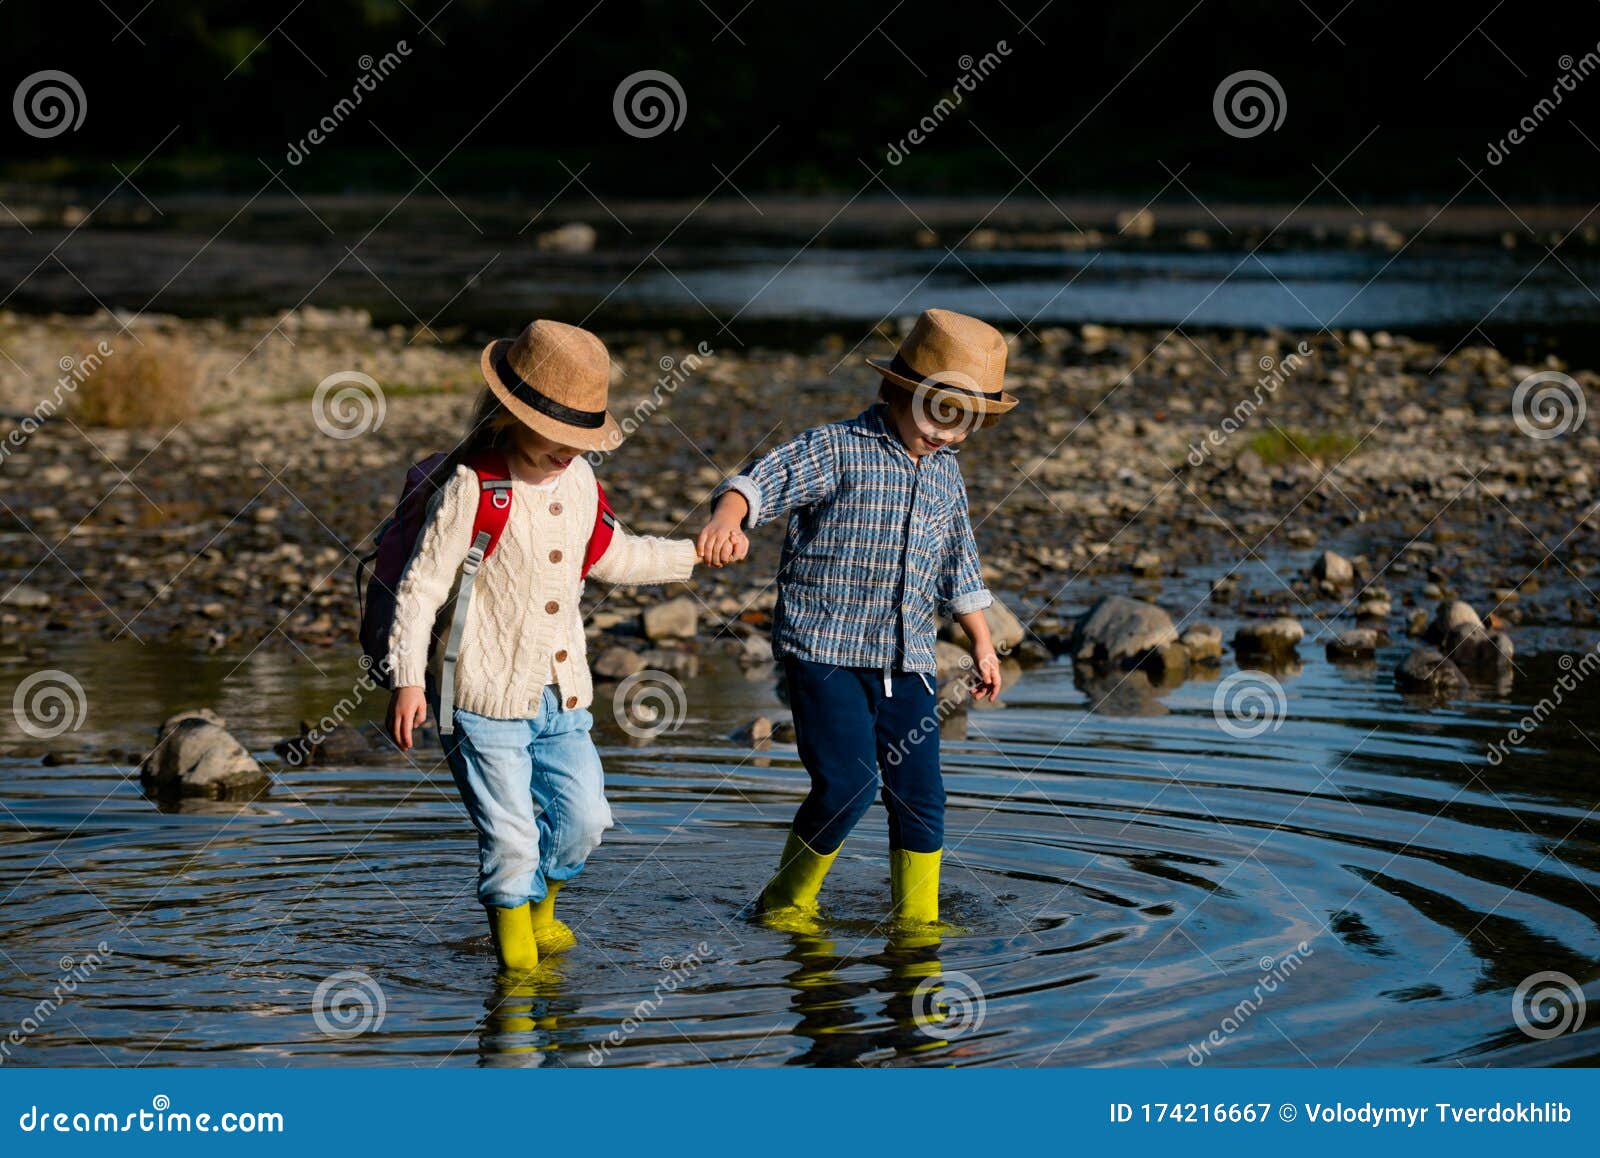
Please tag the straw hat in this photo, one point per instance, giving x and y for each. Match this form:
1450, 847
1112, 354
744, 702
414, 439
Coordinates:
554, 378
953, 361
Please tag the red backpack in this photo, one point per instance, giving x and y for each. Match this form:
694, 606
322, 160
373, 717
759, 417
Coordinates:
396, 540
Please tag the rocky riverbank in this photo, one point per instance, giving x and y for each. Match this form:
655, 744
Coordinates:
1204, 473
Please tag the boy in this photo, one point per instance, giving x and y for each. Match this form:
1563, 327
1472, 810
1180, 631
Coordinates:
879, 540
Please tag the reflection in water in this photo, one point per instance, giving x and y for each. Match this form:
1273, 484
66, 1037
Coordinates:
523, 1019
834, 997
1115, 880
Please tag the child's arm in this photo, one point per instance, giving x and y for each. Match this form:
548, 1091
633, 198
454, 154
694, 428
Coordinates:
637, 559
424, 587
985, 662
798, 473
961, 589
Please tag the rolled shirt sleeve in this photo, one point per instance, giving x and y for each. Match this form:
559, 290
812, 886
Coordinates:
796, 474
960, 587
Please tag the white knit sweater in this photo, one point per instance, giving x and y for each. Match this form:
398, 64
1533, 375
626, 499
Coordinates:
523, 624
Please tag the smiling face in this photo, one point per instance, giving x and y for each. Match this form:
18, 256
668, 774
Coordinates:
536, 458
919, 427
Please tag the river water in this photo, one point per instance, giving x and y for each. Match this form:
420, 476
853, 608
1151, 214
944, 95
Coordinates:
1357, 885
1127, 882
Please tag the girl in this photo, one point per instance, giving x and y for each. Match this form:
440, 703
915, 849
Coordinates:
879, 540
518, 742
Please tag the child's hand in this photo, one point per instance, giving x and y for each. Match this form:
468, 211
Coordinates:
722, 542
408, 707
986, 674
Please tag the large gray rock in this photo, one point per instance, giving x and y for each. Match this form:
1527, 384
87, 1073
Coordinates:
1427, 671
1479, 652
1450, 614
1117, 629
675, 619
196, 755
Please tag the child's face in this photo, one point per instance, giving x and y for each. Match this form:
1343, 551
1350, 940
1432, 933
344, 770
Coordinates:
921, 430
544, 456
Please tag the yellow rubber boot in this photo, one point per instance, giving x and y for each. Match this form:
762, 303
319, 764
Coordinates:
914, 885
552, 936
799, 877
514, 942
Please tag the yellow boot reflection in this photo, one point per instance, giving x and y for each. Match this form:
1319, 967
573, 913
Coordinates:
522, 1019
915, 983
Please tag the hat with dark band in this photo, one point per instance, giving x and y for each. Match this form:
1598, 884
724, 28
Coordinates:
554, 378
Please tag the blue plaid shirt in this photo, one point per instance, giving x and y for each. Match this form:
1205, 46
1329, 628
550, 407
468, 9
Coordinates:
877, 542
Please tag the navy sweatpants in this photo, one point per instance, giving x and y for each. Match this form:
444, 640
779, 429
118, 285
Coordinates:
852, 737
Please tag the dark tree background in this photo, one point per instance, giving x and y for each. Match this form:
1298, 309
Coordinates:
1093, 97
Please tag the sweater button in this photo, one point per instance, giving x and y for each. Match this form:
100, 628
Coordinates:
552, 607
555, 556
555, 508
572, 701
561, 656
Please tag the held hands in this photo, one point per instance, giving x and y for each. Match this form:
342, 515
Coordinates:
407, 709
723, 541
985, 678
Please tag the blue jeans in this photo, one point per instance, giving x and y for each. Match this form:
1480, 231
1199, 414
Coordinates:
852, 737
536, 794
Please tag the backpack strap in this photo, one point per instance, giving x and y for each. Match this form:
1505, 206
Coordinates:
605, 525
494, 511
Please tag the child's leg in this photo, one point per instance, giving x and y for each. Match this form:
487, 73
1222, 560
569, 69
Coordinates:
913, 792
833, 727
489, 760
907, 734
568, 785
